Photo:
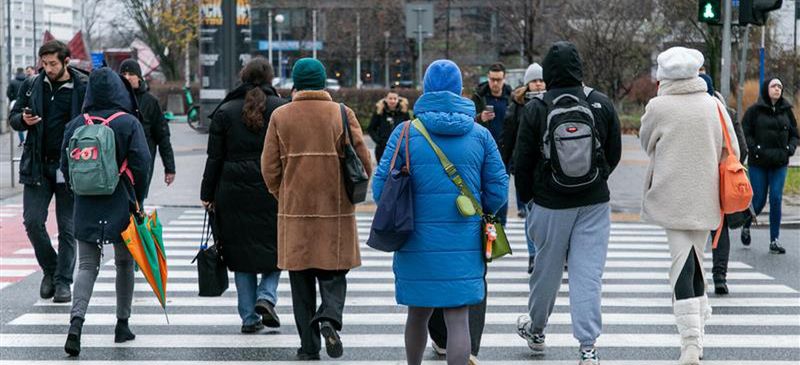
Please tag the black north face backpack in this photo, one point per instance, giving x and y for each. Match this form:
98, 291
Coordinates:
571, 144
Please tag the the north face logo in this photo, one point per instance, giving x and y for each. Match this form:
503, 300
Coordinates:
85, 153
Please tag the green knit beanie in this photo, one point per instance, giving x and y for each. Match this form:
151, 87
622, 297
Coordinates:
308, 74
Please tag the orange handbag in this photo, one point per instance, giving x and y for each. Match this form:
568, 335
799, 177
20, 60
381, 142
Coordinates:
735, 191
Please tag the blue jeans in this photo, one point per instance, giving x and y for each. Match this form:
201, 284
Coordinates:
768, 180
21, 136
249, 290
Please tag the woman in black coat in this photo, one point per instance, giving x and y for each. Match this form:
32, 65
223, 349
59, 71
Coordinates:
389, 112
771, 132
246, 214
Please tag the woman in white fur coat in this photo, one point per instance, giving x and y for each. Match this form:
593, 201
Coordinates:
682, 134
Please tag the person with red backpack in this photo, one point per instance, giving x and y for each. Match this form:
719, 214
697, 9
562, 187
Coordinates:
106, 161
682, 133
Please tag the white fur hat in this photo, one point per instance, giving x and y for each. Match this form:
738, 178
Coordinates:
534, 72
679, 63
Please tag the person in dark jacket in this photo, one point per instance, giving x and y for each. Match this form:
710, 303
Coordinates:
156, 128
533, 87
571, 227
771, 132
721, 253
246, 213
54, 97
389, 111
101, 219
492, 99
11, 93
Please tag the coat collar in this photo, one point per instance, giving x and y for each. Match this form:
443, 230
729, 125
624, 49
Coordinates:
683, 86
312, 95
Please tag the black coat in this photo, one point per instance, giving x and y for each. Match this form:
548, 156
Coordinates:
246, 213
14, 85
102, 218
519, 98
31, 95
563, 75
380, 127
771, 131
156, 129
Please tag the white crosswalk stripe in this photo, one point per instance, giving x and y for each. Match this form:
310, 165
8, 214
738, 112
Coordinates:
636, 305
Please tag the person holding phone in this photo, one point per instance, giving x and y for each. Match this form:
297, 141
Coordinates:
45, 104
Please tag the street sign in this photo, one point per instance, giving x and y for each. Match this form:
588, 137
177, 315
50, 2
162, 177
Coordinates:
419, 13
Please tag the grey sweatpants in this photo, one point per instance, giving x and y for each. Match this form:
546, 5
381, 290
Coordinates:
578, 236
88, 268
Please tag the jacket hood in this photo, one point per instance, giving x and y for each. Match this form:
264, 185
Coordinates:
764, 99
240, 91
483, 89
562, 66
402, 103
682, 86
20, 77
445, 113
107, 90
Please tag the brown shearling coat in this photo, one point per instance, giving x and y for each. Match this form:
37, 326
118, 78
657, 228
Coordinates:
301, 166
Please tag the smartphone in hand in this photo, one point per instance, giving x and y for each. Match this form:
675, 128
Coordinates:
29, 111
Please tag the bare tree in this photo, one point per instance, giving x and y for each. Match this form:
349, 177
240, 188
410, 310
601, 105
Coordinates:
615, 38
90, 13
167, 26
680, 17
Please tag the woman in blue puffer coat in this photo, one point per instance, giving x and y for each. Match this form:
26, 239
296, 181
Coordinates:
441, 264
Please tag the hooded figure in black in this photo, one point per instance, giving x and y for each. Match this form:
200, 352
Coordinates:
771, 132
156, 128
245, 213
571, 227
100, 219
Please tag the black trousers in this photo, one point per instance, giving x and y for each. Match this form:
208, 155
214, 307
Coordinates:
307, 317
477, 320
721, 253
379, 151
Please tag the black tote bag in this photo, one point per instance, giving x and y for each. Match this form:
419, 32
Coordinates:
212, 274
356, 180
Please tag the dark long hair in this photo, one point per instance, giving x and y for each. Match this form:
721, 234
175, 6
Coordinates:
257, 72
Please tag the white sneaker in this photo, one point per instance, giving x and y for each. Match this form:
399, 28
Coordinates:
438, 350
535, 340
589, 357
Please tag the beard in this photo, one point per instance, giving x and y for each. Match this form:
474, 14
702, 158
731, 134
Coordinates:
59, 75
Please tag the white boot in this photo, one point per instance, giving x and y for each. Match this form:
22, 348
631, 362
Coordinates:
705, 310
688, 316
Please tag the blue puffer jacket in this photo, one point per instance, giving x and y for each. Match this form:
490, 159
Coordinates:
441, 265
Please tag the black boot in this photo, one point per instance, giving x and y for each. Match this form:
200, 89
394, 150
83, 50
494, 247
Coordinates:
73, 345
333, 345
720, 285
122, 333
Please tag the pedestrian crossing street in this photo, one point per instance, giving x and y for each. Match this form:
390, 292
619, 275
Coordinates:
759, 323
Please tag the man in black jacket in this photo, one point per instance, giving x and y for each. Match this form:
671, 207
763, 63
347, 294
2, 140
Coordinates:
155, 125
53, 97
567, 226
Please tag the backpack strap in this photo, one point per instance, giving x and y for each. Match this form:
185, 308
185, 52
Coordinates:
124, 169
104, 121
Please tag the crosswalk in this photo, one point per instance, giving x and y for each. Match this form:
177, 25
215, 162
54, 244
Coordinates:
758, 324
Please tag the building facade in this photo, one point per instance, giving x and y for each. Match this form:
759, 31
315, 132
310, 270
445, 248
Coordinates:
31, 18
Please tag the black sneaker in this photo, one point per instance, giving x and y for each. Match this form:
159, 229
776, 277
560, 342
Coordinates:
73, 344
531, 260
47, 289
746, 236
302, 356
62, 294
252, 328
122, 332
267, 312
775, 248
333, 344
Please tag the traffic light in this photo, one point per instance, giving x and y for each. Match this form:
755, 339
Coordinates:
710, 11
755, 11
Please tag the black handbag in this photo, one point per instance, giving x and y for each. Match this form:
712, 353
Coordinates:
739, 219
356, 180
212, 274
